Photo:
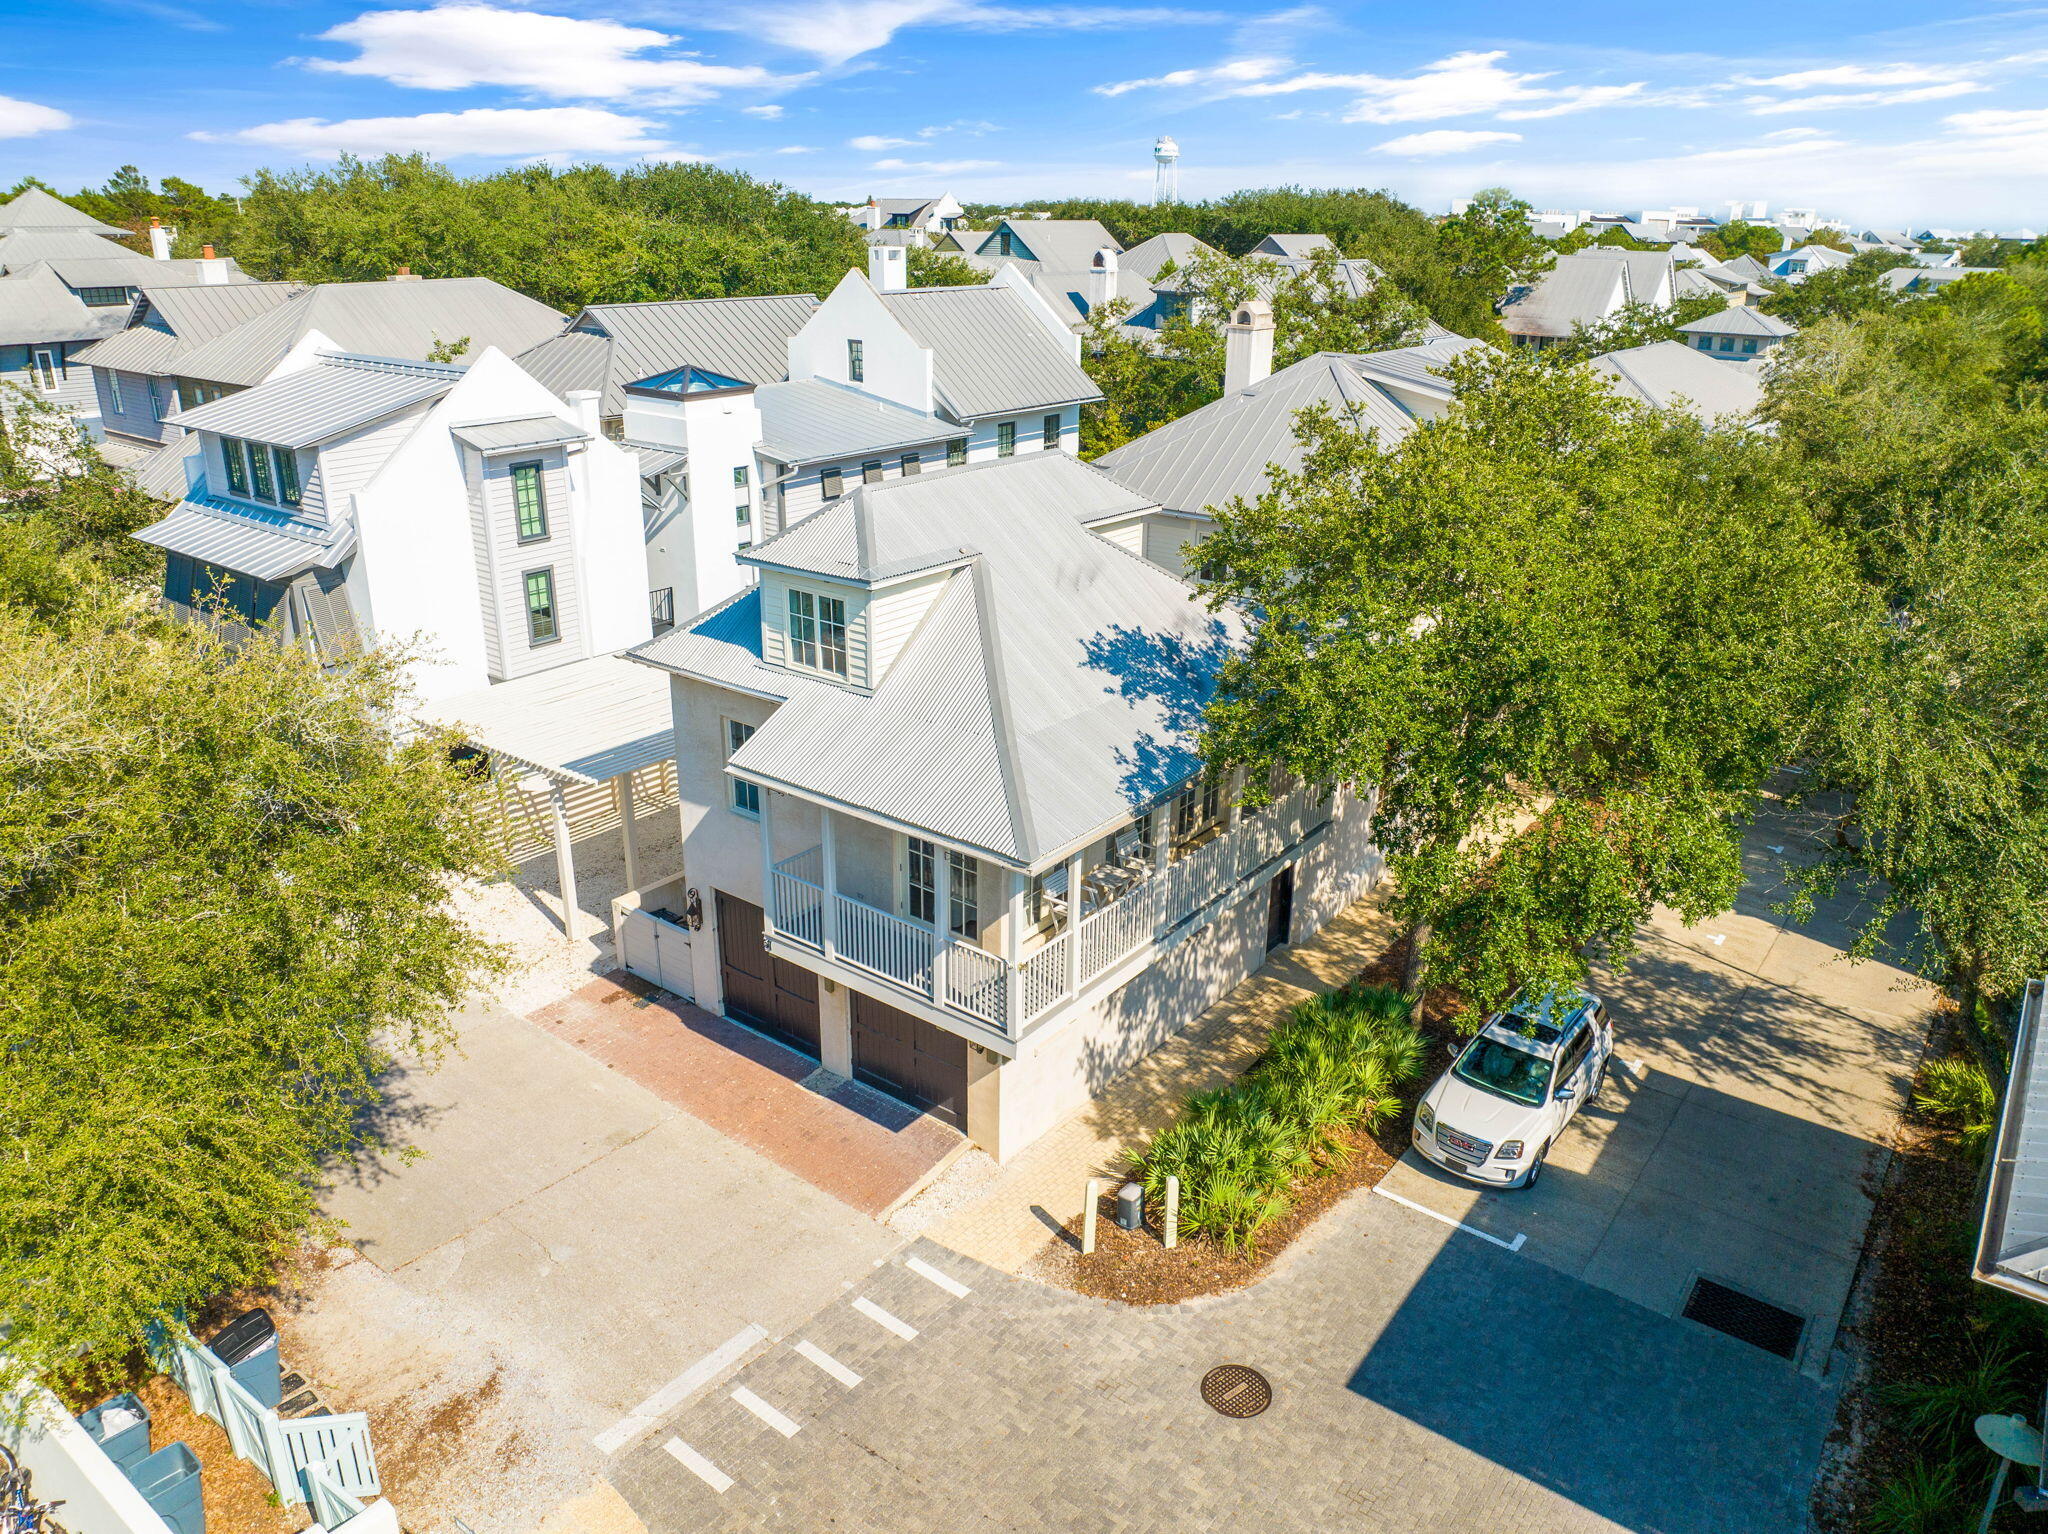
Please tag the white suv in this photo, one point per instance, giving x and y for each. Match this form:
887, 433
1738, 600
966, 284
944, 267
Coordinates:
1494, 1115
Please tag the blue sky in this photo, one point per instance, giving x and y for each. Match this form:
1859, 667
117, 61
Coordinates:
1875, 112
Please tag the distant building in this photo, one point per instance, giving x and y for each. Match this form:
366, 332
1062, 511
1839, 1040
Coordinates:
1736, 334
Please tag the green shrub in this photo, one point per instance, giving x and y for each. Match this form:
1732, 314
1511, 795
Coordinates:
1930, 1498
1942, 1410
1959, 1092
1331, 1064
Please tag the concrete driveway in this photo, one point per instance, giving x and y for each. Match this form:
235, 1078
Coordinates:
1762, 1072
558, 1246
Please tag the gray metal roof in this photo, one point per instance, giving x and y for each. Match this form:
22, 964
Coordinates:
1737, 320
2012, 1243
1648, 270
1293, 246
612, 345
376, 319
656, 459
166, 322
1578, 290
267, 546
37, 209
521, 432
173, 472
1065, 287
1147, 257
335, 395
811, 420
81, 258
36, 305
584, 722
1664, 373
1064, 243
1054, 688
990, 354
1228, 446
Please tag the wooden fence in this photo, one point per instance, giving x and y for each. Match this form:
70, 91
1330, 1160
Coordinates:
526, 831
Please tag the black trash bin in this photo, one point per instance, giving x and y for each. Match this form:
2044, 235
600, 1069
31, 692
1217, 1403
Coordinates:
120, 1427
169, 1483
248, 1346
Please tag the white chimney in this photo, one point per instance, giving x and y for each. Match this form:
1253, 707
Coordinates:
1247, 345
582, 405
160, 240
888, 268
1100, 285
213, 271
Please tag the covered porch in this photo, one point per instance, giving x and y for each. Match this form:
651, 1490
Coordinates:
576, 751
1017, 945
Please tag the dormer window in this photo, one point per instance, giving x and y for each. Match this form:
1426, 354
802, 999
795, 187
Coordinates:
817, 632
261, 483
856, 363
261, 472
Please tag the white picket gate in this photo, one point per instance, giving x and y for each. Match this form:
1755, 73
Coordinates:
290, 1451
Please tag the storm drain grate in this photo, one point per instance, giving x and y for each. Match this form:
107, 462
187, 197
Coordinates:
1744, 1317
1237, 1391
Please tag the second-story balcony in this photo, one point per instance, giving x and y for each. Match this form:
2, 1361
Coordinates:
1105, 917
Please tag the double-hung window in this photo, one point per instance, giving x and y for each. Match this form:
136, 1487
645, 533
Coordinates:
921, 880
262, 484
1706, 343
856, 363
541, 624
46, 369
238, 468
742, 496
114, 391
1749, 346
817, 632
956, 452
746, 797
286, 463
1052, 430
529, 502
803, 629
1006, 439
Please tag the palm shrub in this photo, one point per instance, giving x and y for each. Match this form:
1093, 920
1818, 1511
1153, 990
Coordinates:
1332, 1063
1960, 1092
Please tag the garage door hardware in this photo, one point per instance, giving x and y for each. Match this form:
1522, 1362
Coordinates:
1237, 1390
1744, 1317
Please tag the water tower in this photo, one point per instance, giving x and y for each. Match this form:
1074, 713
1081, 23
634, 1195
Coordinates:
1166, 178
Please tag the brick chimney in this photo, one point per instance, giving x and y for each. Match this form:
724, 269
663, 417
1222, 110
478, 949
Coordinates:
404, 274
1248, 345
213, 270
160, 240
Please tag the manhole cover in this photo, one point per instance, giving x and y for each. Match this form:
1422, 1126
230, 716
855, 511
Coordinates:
1744, 1316
1237, 1391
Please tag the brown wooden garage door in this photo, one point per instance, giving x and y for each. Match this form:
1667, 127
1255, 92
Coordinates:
770, 993
909, 1058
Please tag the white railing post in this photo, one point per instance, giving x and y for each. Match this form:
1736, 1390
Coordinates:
942, 919
1074, 923
828, 901
768, 891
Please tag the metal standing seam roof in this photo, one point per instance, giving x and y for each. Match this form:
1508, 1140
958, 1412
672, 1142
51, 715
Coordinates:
2012, 1242
378, 319
531, 431
1063, 243
584, 722
1578, 290
168, 321
655, 458
1228, 447
612, 345
335, 395
990, 354
1663, 372
1297, 247
100, 262
1737, 320
35, 305
1054, 687
1648, 270
1148, 257
172, 472
811, 419
243, 539
35, 208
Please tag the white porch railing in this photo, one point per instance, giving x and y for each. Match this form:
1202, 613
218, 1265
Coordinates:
979, 984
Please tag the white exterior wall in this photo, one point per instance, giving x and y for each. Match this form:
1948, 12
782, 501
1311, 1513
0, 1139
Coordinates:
507, 561
70, 1468
894, 367
775, 587
1057, 1072
340, 467
892, 616
690, 547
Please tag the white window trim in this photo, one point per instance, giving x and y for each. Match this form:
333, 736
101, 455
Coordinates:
35, 366
733, 785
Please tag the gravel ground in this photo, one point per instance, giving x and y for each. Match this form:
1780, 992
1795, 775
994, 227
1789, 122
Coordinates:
955, 1188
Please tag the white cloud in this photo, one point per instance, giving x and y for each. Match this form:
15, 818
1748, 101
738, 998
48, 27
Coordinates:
769, 110
1766, 106
1857, 75
506, 133
934, 167
21, 119
453, 47
1234, 72
1582, 98
796, 149
838, 30
1440, 141
1990, 143
875, 143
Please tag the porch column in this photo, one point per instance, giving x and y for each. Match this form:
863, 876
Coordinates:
1074, 864
565, 859
828, 862
942, 919
1013, 953
629, 834
1162, 836
768, 855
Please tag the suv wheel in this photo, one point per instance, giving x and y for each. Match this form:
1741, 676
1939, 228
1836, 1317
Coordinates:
1536, 1168
1599, 1080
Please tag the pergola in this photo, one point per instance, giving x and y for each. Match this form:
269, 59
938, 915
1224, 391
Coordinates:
588, 723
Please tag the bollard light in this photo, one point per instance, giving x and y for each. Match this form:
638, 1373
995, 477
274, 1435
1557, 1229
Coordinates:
1130, 1206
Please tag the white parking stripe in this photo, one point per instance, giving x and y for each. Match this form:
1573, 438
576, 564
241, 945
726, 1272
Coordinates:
882, 1318
1409, 1203
765, 1412
698, 1465
671, 1395
945, 1281
828, 1363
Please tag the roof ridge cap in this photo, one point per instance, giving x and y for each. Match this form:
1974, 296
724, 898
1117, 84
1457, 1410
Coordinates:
995, 679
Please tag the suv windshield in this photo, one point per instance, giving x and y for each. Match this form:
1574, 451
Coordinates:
1504, 1070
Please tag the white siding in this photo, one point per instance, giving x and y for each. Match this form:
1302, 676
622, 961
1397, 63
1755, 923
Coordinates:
133, 419
775, 587
892, 616
518, 655
335, 469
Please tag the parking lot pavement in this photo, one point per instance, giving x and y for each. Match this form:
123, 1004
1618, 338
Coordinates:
1758, 1073
565, 1245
